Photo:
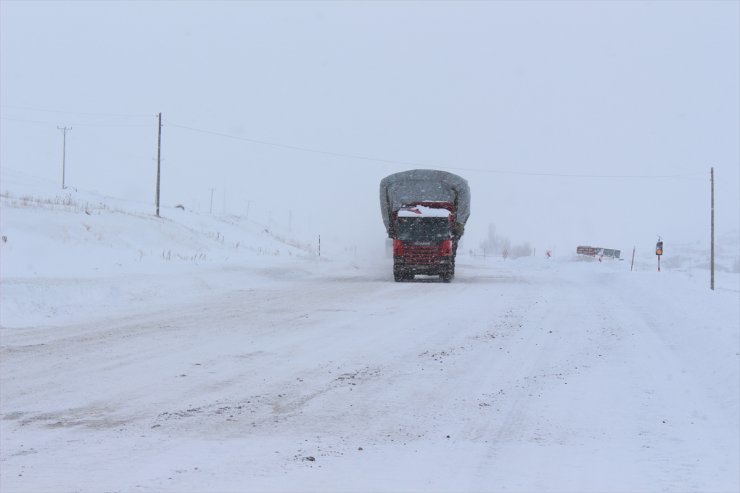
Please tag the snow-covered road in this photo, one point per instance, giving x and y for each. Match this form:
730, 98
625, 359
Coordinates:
515, 377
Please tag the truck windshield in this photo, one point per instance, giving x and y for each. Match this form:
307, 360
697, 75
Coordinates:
423, 228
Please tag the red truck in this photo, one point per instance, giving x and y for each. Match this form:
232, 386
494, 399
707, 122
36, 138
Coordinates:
424, 212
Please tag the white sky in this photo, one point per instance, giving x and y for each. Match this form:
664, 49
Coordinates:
477, 88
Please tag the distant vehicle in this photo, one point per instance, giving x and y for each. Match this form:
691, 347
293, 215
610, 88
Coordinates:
598, 252
424, 212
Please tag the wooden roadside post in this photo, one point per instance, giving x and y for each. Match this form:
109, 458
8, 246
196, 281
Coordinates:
711, 261
159, 154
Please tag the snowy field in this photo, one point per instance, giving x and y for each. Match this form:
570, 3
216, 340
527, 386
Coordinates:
202, 353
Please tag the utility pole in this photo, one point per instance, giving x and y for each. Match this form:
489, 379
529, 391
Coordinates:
159, 154
632, 265
210, 211
64, 151
711, 261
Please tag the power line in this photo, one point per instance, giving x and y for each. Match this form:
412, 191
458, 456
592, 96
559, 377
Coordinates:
328, 152
115, 115
423, 165
44, 122
292, 147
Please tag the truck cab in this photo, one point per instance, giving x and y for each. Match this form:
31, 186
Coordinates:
424, 241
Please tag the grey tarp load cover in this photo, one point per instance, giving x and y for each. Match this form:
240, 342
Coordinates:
424, 185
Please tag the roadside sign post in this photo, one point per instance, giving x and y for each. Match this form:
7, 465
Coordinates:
659, 251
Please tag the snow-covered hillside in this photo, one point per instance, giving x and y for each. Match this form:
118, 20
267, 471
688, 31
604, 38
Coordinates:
194, 352
68, 254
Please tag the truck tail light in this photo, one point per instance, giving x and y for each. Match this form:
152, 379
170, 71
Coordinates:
397, 248
447, 248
